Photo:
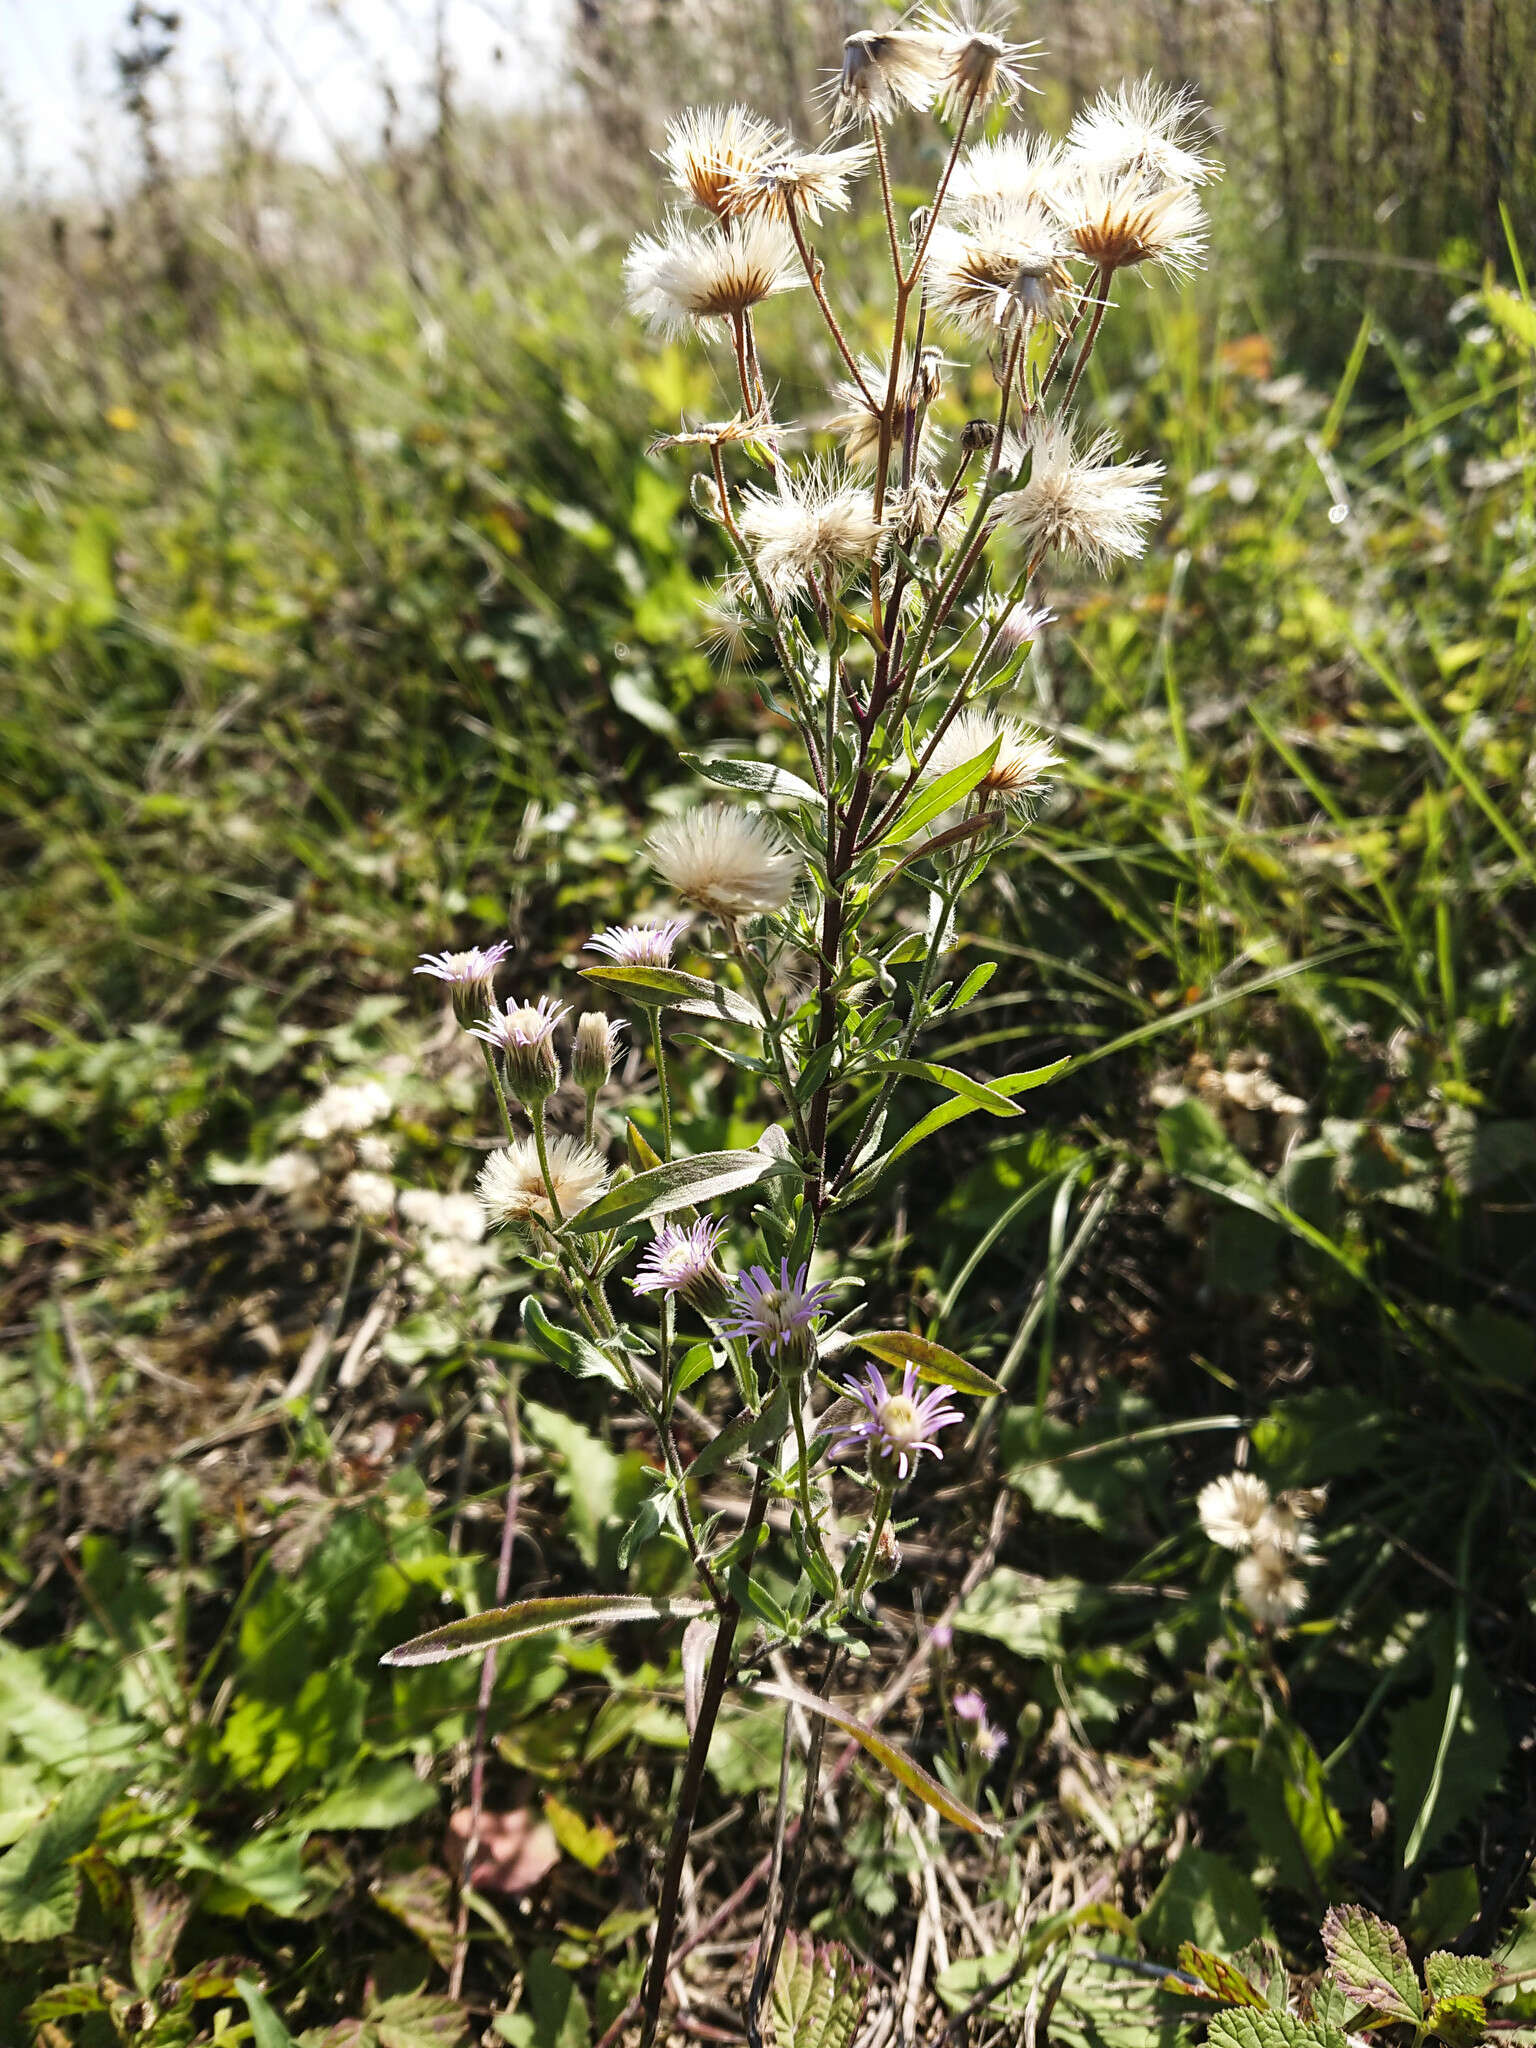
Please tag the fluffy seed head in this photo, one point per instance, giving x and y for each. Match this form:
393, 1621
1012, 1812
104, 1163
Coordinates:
595, 1050
980, 65
686, 274
524, 1035
372, 1195
511, 1186
1118, 220
344, 1109
778, 1318
1009, 264
1023, 766
1015, 170
438, 1215
1232, 1508
650, 944
708, 149
896, 1429
858, 422
1144, 126
1081, 504
681, 1260
805, 179
818, 522
730, 624
1017, 625
887, 69
1267, 1586
725, 860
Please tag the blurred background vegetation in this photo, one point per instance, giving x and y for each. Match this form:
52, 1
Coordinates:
344, 614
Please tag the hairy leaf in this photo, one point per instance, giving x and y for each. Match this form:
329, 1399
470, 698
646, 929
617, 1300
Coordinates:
981, 1093
669, 988
497, 1625
1215, 1977
1245, 2028
568, 1349
935, 1365
763, 778
678, 1184
1370, 1959
819, 1995
1451, 1976
39, 1884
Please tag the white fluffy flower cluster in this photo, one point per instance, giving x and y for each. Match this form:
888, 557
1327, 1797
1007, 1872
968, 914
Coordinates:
1271, 1538
344, 1109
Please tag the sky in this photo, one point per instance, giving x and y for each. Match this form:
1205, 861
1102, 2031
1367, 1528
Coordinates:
311, 69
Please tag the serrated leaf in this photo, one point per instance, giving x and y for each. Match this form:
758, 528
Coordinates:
1460, 2022
419, 2019
568, 1349
1245, 2028
159, 1915
678, 1184
763, 778
936, 1365
885, 1752
819, 1995
1451, 1976
1215, 1977
39, 1883
1369, 1958
669, 988
476, 1632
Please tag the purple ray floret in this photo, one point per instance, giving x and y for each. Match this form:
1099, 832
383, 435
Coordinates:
471, 969
898, 1425
682, 1254
770, 1313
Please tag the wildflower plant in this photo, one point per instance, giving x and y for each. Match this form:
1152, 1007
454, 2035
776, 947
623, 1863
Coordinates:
891, 580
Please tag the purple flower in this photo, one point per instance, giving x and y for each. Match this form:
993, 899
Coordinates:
777, 1316
681, 1260
987, 1742
469, 977
524, 1035
970, 1706
640, 945
897, 1428
942, 1635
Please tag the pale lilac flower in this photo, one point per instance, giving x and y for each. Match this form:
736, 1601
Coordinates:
467, 972
681, 1260
897, 1428
983, 1739
650, 944
524, 1035
969, 1705
942, 1635
777, 1315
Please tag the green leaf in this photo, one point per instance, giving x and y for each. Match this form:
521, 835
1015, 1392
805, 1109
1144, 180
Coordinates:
1247, 2029
745, 1435
981, 1093
159, 1914
1445, 1763
669, 988
553, 2013
885, 1752
267, 2030
678, 1184
478, 1632
763, 778
936, 1366
950, 1112
39, 1885
972, 986
421, 1898
1205, 1899
697, 1360
590, 1843
419, 2020
1025, 1614
1460, 2022
819, 1995
1215, 1977
386, 1795
1369, 1958
926, 803
1451, 1976
568, 1349
1282, 1794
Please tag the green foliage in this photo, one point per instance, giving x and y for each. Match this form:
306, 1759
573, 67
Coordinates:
818, 1996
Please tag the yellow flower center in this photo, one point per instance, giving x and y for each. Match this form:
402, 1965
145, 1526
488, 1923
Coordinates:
898, 1418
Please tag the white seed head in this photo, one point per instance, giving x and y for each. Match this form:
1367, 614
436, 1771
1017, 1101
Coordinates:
1009, 264
511, 1186
436, 1215
708, 148
980, 64
344, 1109
730, 625
1267, 1586
372, 1195
1232, 1508
1118, 220
818, 522
1015, 170
1079, 504
885, 70
686, 274
1144, 126
725, 860
857, 422
1022, 769
806, 179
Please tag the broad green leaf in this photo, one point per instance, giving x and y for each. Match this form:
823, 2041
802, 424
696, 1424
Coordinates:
568, 1349
386, 1795
678, 1184
477, 1632
421, 1898
39, 1884
1245, 2028
1025, 1615
669, 988
1459, 2022
1451, 1976
418, 2019
926, 803
819, 1995
981, 1093
936, 1366
884, 1751
589, 1842
761, 777
267, 2030
1205, 1899
1369, 1959
1446, 1750
1215, 1977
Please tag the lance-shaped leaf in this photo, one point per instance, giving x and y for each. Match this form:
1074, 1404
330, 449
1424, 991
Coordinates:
677, 1184
982, 1093
934, 1363
745, 1435
1212, 1976
763, 778
885, 1752
568, 1349
669, 988
926, 804
477, 1632
1369, 1958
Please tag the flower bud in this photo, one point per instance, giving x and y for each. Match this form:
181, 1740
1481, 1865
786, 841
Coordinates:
524, 1035
594, 1050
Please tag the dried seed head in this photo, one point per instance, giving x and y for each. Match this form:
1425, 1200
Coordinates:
885, 70
1079, 504
726, 860
806, 179
818, 522
687, 274
709, 148
1232, 1508
980, 65
1144, 127
977, 436
1009, 265
730, 625
1118, 219
511, 1183
1267, 1586
1021, 770
926, 511
1016, 170
858, 422
718, 434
